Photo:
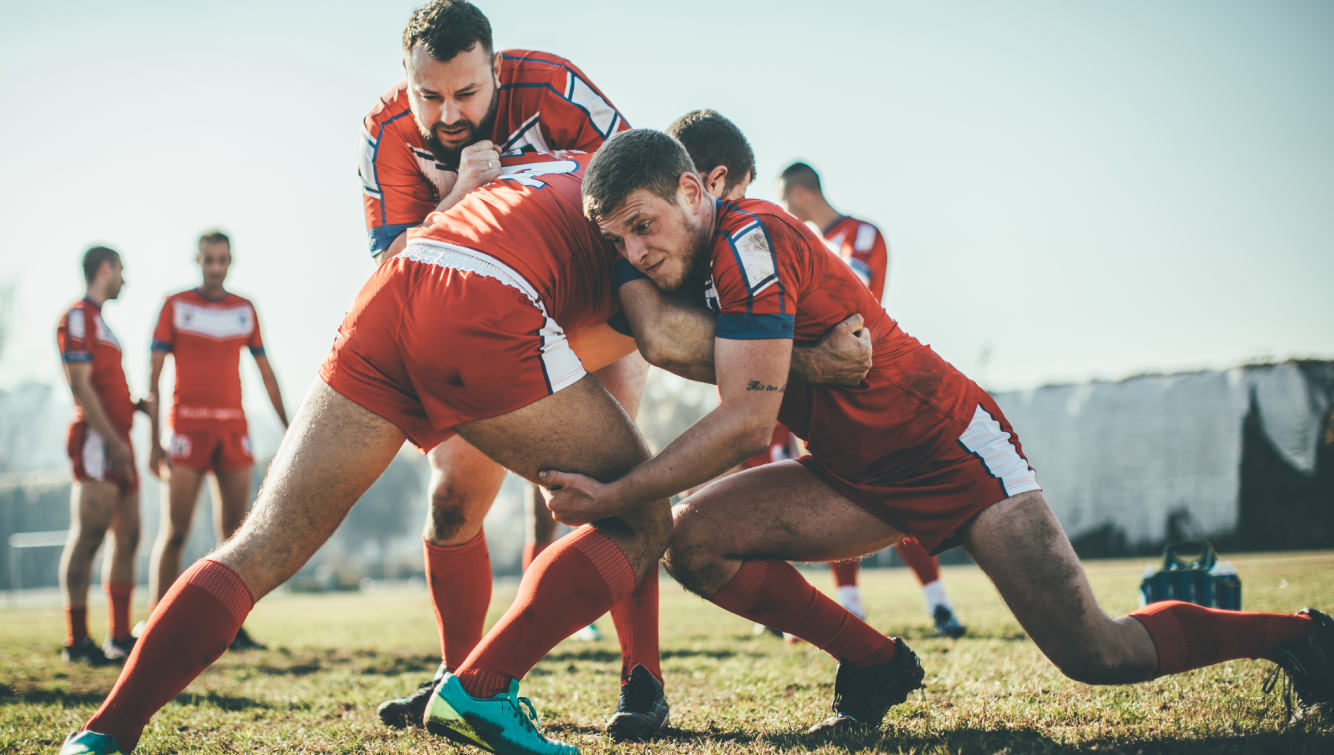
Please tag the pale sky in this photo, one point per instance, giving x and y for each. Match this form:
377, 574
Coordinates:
1088, 190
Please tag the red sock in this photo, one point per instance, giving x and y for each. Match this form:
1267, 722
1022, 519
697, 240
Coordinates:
193, 625
845, 572
460, 580
1190, 636
636, 620
530, 551
772, 593
915, 556
118, 598
572, 583
76, 624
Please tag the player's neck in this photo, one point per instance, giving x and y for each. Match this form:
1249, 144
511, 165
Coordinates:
822, 215
95, 295
211, 293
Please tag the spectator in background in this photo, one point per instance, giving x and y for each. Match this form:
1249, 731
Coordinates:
105, 495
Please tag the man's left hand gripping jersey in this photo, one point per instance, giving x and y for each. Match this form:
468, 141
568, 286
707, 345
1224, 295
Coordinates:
546, 104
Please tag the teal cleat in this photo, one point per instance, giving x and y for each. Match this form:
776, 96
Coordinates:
89, 743
505, 724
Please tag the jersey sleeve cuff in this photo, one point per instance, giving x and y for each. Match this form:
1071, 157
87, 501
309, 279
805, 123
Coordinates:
625, 272
621, 324
381, 237
162, 346
76, 357
256, 351
742, 326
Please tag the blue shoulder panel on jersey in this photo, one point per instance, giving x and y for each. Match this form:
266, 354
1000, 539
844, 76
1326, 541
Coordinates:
621, 324
748, 326
161, 346
76, 357
382, 236
624, 272
256, 351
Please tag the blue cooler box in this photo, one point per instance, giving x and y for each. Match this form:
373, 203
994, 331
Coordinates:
1191, 572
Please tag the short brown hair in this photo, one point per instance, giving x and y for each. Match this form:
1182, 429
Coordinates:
640, 158
215, 237
803, 175
93, 259
446, 28
713, 140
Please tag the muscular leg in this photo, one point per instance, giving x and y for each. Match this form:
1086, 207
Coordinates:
330, 455
92, 504
178, 509
538, 524
118, 565
231, 500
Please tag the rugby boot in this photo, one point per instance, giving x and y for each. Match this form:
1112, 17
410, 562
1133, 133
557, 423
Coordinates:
84, 651
642, 710
243, 641
1309, 664
410, 710
863, 695
505, 724
946, 624
117, 651
89, 743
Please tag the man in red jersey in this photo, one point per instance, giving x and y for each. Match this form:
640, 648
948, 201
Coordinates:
106, 486
205, 329
915, 449
863, 247
427, 144
465, 332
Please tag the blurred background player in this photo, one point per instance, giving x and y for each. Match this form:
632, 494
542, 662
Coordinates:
862, 246
106, 487
205, 329
428, 143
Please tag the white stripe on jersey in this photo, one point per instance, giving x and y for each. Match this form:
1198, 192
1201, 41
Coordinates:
599, 110
757, 261
985, 438
75, 325
218, 323
865, 238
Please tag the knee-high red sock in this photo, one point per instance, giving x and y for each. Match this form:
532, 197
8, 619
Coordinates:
925, 565
530, 552
636, 620
193, 625
460, 580
76, 624
774, 594
118, 604
1190, 636
845, 572
572, 583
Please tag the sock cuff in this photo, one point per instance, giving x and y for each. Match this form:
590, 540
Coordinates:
610, 560
222, 583
118, 590
449, 550
741, 590
1166, 632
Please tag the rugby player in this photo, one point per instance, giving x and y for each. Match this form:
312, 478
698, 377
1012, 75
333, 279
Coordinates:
425, 145
106, 486
205, 329
916, 449
726, 163
464, 332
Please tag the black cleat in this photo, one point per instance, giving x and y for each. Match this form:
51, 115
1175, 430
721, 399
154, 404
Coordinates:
117, 651
84, 651
1309, 664
410, 710
863, 695
947, 625
642, 710
243, 641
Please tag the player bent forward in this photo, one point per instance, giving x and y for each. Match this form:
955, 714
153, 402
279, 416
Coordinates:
916, 449
442, 339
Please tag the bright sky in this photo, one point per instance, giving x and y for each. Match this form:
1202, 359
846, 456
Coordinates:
1087, 190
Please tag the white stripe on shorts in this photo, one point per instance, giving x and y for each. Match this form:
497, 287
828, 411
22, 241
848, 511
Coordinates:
985, 439
559, 362
95, 455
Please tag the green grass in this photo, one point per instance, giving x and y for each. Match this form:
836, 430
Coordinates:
335, 657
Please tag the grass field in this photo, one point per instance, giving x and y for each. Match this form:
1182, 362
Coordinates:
334, 657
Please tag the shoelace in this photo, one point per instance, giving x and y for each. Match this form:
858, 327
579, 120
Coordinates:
1271, 681
528, 715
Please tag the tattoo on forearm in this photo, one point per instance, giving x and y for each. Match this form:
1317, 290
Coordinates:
756, 385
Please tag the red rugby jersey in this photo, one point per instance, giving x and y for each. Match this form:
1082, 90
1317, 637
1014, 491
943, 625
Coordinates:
84, 338
862, 246
772, 277
531, 219
546, 104
206, 337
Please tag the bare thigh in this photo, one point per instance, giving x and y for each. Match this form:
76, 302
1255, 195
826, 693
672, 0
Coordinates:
464, 484
178, 506
625, 378
581, 429
1020, 545
779, 511
231, 499
333, 451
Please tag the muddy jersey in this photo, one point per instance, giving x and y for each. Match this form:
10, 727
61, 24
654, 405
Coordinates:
206, 338
772, 277
862, 246
84, 338
546, 104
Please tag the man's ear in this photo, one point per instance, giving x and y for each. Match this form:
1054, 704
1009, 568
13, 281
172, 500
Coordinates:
692, 190
495, 68
716, 181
